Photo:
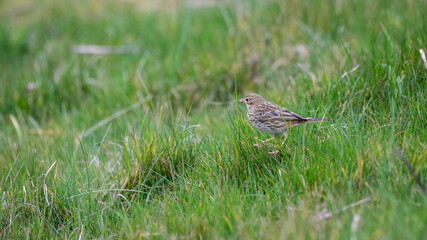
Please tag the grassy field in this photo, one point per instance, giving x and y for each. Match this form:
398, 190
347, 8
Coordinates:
151, 143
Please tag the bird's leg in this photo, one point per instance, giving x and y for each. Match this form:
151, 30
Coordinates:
275, 151
286, 137
268, 140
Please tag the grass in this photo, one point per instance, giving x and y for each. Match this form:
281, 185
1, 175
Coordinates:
154, 145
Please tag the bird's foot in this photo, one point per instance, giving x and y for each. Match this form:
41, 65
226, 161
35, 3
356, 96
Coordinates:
274, 152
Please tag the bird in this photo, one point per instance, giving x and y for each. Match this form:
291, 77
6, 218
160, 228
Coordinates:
271, 118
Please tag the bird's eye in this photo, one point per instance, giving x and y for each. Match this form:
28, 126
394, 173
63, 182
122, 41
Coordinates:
247, 100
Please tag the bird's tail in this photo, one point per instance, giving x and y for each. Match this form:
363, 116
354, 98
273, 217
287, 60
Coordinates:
318, 120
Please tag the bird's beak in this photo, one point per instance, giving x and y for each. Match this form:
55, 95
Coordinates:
241, 100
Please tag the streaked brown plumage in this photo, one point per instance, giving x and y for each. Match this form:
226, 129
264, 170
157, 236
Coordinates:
271, 118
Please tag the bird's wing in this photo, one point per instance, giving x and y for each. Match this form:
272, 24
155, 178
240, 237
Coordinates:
274, 112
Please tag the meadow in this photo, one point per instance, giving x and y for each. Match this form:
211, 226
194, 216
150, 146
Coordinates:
148, 141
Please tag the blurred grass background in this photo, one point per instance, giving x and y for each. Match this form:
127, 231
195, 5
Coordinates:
151, 143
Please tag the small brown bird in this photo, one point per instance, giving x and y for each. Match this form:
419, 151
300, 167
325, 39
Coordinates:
271, 118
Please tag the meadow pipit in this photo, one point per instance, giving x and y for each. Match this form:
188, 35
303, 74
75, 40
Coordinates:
271, 118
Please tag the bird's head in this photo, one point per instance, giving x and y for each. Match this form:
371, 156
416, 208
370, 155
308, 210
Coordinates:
251, 100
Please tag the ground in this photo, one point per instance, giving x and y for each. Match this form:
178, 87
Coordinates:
145, 139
